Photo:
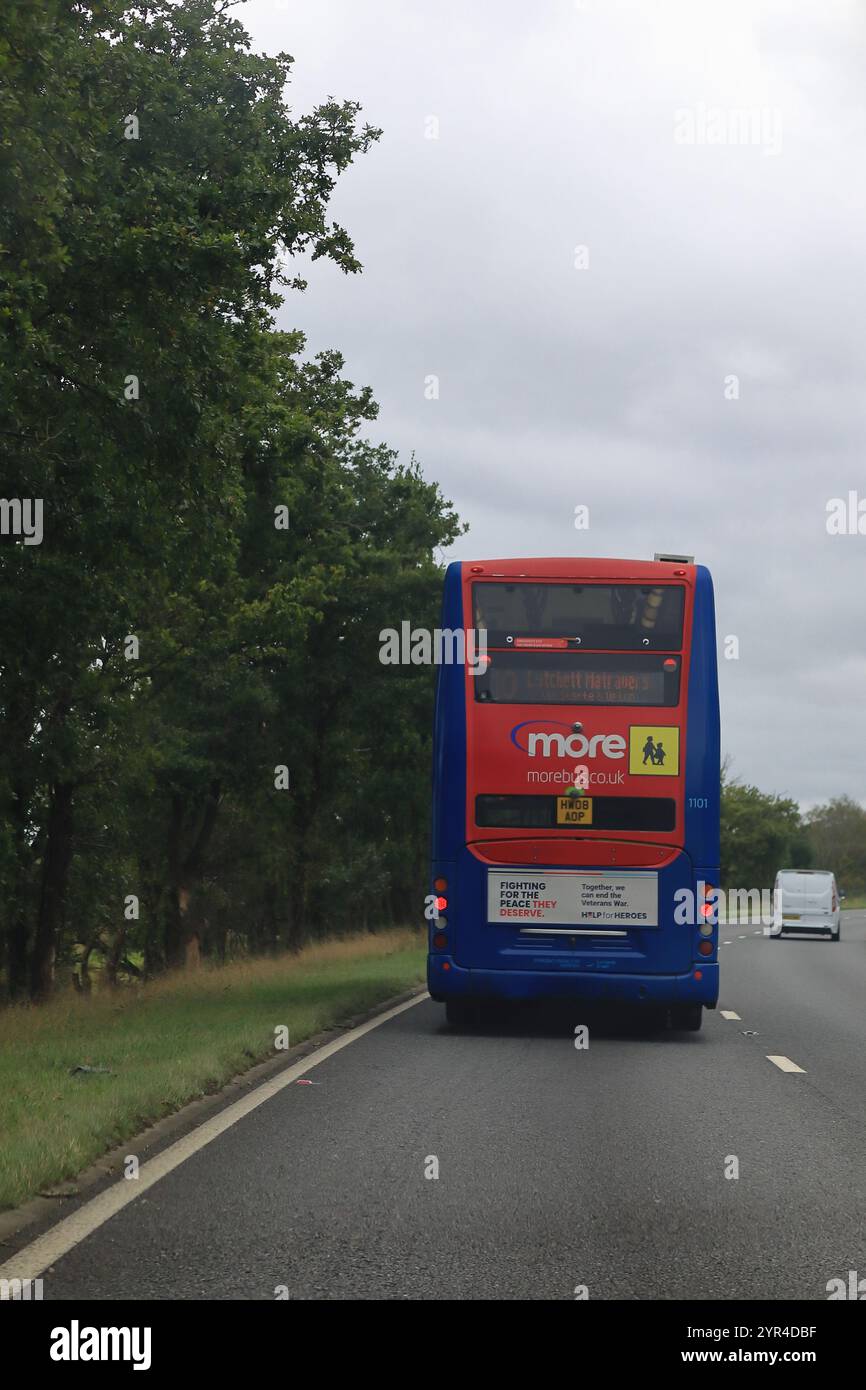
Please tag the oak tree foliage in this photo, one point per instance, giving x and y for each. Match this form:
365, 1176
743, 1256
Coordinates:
157, 200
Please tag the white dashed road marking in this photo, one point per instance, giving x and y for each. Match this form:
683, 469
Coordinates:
785, 1064
728, 1013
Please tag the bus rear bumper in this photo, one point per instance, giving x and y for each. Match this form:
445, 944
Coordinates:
455, 982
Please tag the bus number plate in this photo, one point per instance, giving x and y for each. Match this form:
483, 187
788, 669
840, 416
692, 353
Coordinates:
574, 810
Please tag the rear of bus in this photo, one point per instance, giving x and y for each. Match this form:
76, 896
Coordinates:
575, 837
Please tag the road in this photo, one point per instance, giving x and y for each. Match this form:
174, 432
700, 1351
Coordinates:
558, 1167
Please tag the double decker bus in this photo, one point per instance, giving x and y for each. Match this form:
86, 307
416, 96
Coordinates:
575, 828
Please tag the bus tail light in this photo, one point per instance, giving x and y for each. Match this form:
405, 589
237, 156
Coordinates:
438, 938
708, 909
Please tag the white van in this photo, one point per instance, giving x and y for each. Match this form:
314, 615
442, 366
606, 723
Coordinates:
806, 900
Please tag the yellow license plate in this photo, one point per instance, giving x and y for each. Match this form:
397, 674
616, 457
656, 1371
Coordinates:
792, 917
574, 810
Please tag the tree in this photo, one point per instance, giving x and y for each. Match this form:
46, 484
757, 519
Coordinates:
761, 833
151, 181
836, 833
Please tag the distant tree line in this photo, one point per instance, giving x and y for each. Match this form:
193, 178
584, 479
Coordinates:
762, 833
201, 752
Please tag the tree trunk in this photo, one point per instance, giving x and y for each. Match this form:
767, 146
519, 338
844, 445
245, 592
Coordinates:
153, 894
82, 979
19, 927
184, 927
115, 955
55, 875
306, 816
16, 952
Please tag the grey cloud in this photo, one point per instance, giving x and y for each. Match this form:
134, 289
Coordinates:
605, 386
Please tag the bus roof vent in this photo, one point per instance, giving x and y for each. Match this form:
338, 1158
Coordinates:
675, 559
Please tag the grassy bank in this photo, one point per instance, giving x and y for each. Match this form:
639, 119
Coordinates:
167, 1043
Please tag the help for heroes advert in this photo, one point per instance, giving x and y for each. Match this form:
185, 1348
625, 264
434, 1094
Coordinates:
573, 899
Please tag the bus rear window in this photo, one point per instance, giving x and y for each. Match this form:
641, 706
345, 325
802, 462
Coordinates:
609, 617
578, 678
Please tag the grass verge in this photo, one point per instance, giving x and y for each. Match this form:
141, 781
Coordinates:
167, 1043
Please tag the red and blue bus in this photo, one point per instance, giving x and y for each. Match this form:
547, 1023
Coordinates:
575, 828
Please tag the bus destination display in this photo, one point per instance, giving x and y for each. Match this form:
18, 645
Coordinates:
560, 682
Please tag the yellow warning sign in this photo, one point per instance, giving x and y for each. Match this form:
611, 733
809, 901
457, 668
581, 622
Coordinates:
654, 750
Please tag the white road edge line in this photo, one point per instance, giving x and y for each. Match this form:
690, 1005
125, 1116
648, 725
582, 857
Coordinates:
729, 1013
47, 1249
785, 1064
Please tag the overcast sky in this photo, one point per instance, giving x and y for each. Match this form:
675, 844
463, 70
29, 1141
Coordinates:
695, 374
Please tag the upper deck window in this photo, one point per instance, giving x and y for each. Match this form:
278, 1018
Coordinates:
606, 617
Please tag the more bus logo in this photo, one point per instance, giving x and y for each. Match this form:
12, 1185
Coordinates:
540, 738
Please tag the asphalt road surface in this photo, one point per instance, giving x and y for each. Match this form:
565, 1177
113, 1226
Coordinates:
558, 1167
